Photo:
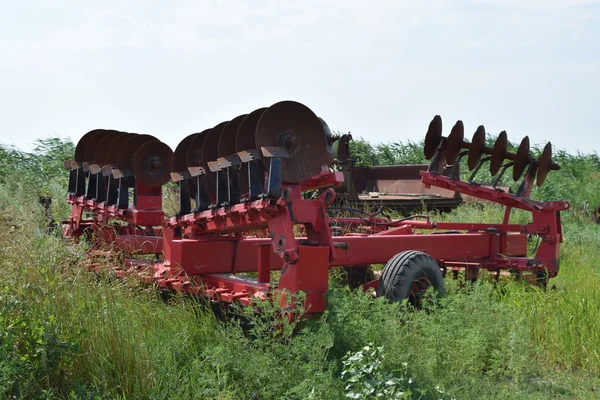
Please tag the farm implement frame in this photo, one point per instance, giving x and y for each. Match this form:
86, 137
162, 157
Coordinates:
242, 213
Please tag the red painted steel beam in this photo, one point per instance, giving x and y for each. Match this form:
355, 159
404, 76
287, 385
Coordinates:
490, 194
211, 255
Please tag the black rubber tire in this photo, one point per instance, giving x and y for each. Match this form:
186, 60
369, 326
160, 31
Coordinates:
403, 269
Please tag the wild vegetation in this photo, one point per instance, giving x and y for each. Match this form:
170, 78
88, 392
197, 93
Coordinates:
67, 333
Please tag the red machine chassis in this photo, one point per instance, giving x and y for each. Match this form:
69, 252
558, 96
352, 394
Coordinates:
203, 253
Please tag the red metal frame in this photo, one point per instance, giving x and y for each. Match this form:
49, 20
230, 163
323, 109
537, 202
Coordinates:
203, 252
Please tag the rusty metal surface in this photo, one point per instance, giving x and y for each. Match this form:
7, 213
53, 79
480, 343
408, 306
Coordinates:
545, 165
128, 149
104, 145
112, 152
477, 147
210, 148
296, 128
499, 153
433, 137
400, 179
194, 151
343, 152
522, 159
245, 140
330, 139
180, 154
80, 147
270, 152
455, 142
152, 163
245, 137
227, 139
89, 152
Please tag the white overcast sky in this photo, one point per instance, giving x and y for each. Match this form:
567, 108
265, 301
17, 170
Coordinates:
381, 69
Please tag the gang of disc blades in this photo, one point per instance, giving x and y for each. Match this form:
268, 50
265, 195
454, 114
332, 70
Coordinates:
80, 148
521, 159
89, 152
245, 137
112, 152
433, 137
194, 151
455, 142
153, 163
296, 128
180, 154
226, 146
498, 153
477, 147
544, 163
127, 151
210, 148
103, 145
328, 142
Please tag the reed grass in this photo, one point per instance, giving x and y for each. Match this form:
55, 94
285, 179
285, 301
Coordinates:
68, 333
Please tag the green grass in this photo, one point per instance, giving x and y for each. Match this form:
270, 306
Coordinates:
67, 333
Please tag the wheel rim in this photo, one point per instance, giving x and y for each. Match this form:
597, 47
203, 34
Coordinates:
417, 291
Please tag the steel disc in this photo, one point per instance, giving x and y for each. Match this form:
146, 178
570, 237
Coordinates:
127, 151
455, 142
80, 148
227, 140
433, 137
477, 147
245, 140
245, 137
180, 154
544, 164
180, 160
498, 153
112, 152
89, 152
328, 141
521, 159
103, 145
296, 128
194, 152
210, 148
153, 163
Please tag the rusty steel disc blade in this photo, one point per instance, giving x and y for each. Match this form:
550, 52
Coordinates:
80, 148
101, 149
112, 152
226, 146
245, 137
328, 142
455, 142
433, 137
498, 153
194, 152
477, 147
544, 163
89, 153
153, 163
128, 149
296, 128
521, 159
180, 153
210, 149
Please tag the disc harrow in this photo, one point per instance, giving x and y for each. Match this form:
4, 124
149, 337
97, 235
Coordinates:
241, 210
448, 149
